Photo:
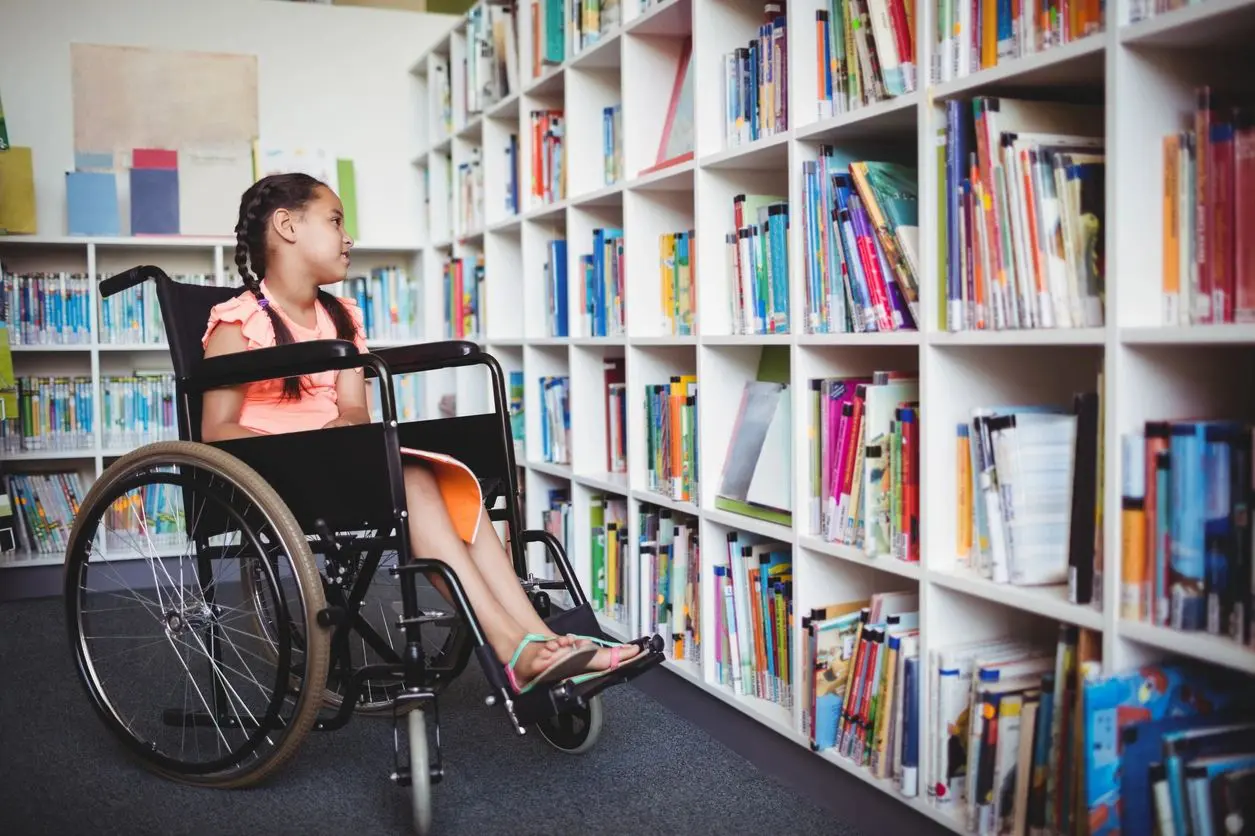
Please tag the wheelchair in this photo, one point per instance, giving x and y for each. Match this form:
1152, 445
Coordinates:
273, 583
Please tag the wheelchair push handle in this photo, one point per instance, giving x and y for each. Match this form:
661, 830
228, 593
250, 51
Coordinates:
130, 278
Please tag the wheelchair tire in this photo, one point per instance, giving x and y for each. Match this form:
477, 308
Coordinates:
265, 527
420, 772
574, 732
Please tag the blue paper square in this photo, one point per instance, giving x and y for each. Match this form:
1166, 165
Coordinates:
154, 201
91, 203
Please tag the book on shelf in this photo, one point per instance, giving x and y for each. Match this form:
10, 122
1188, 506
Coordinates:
1185, 525
555, 419
615, 376
861, 245
603, 285
517, 422
678, 290
53, 413
407, 398
555, 519
1025, 220
756, 82
1159, 741
47, 308
549, 34
591, 21
610, 555
1028, 496
512, 205
43, 509
864, 463
757, 477
556, 297
442, 81
671, 438
612, 143
548, 163
1208, 213
491, 63
860, 684
753, 618
758, 264
463, 291
975, 35
669, 590
135, 409
391, 301
865, 53
469, 215
129, 317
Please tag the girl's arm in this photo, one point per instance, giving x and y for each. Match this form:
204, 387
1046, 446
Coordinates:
220, 408
351, 399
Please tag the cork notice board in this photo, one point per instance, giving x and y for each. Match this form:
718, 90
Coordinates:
135, 97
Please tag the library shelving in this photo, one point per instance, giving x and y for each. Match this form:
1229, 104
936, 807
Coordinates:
1012, 318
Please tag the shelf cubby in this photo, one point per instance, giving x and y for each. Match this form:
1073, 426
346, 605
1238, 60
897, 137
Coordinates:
651, 58
666, 207
592, 454
592, 87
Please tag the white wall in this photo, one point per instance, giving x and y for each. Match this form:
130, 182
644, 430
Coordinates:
327, 75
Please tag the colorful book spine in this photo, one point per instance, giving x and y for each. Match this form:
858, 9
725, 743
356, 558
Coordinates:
758, 265
753, 642
610, 582
678, 283
463, 292
390, 302
603, 285
669, 581
46, 308
671, 438
865, 53
548, 162
612, 143
756, 82
555, 419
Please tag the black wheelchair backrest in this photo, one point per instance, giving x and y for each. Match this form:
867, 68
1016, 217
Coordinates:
185, 315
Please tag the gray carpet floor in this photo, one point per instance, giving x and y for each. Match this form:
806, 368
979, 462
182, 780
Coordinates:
652, 772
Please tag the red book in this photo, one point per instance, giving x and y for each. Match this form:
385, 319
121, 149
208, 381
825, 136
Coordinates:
154, 158
1244, 215
1220, 234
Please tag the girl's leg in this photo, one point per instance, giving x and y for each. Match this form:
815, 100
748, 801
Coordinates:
498, 572
432, 536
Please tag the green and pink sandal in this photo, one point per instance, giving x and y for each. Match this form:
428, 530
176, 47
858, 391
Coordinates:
562, 668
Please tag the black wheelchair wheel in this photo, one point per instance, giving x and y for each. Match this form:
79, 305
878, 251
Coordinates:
161, 628
574, 732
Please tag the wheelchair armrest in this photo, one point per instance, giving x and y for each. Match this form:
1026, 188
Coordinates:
423, 357
291, 360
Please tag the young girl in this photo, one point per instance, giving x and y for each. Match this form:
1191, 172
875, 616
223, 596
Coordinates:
290, 241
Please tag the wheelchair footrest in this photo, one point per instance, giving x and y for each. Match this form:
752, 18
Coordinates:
564, 697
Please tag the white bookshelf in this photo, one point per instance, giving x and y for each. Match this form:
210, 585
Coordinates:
1144, 72
101, 257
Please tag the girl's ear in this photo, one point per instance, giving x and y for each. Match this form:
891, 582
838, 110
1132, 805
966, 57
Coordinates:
284, 224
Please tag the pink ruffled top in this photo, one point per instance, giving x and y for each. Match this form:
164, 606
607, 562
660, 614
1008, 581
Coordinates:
262, 411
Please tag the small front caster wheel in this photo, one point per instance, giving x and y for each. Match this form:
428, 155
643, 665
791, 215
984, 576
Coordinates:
574, 732
420, 772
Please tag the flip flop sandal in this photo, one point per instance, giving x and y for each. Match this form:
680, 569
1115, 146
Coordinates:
561, 668
616, 648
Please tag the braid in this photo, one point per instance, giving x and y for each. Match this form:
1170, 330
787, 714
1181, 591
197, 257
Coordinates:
250, 261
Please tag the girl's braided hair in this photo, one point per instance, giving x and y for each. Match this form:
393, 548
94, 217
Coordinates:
279, 191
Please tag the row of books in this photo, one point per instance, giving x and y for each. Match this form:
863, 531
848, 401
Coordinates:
861, 682
592, 20
1208, 216
548, 162
556, 320
678, 290
1024, 214
469, 183
612, 141
555, 519
610, 553
555, 419
1145, 9
758, 264
1009, 732
549, 21
974, 35
670, 567
463, 291
131, 317
614, 372
47, 308
756, 82
604, 284
44, 508
671, 438
861, 228
515, 402
865, 463
865, 53
390, 300
490, 64
54, 413
753, 618
1185, 520
407, 391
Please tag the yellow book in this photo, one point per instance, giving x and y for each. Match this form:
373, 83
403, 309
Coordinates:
964, 494
666, 254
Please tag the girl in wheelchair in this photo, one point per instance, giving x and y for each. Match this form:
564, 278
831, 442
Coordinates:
290, 242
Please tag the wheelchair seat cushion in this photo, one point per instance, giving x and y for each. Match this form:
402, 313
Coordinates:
263, 412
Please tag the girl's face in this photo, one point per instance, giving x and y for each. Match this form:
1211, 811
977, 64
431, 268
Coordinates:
320, 237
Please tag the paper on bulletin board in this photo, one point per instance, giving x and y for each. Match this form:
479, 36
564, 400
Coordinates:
137, 97
17, 192
316, 162
211, 181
